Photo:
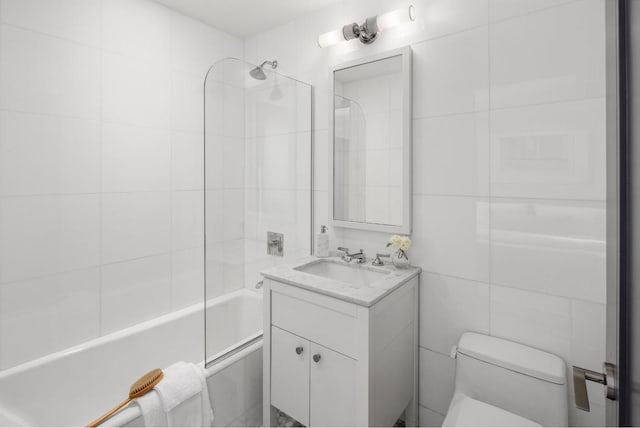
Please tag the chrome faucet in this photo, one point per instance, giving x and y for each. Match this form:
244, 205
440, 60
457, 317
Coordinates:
360, 257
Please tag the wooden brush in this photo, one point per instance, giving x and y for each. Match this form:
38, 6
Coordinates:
138, 389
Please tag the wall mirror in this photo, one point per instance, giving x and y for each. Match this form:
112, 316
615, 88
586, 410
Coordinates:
371, 145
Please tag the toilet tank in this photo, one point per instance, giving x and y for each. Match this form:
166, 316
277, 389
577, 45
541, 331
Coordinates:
517, 378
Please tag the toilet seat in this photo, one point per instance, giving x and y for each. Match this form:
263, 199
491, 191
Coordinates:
467, 412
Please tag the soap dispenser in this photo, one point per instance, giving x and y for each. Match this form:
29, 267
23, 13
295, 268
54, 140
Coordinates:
322, 242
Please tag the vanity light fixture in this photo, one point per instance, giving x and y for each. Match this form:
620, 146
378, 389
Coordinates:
368, 31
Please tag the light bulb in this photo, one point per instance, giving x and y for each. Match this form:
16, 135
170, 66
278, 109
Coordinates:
330, 38
394, 18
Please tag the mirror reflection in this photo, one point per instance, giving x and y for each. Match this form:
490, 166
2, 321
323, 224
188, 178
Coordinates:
368, 142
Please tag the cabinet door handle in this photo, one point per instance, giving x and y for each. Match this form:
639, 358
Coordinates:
316, 358
299, 350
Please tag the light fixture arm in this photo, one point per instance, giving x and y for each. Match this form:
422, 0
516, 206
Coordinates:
368, 31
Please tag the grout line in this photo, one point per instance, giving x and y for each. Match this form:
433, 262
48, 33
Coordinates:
172, 305
531, 12
489, 173
498, 198
508, 108
511, 287
60, 38
100, 175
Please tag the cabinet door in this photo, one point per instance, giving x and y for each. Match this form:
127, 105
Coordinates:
333, 385
290, 374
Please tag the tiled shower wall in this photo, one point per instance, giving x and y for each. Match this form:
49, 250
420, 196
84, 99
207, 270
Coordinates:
508, 171
101, 174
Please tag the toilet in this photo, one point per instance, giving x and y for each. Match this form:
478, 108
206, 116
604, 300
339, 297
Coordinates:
502, 383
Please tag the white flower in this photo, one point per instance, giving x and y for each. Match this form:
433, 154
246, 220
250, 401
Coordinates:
402, 242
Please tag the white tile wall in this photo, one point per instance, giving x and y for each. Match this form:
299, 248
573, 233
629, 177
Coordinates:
508, 114
73, 20
135, 225
50, 313
100, 120
552, 55
44, 235
45, 74
42, 154
134, 291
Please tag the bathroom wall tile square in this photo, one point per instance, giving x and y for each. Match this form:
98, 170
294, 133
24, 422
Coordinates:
233, 112
187, 162
429, 418
187, 109
569, 60
550, 151
62, 311
135, 159
42, 235
135, 92
538, 320
451, 155
504, 9
555, 247
437, 380
321, 165
187, 219
450, 236
233, 214
77, 20
214, 211
72, 83
135, 225
453, 74
232, 255
137, 28
187, 277
135, 291
233, 161
40, 154
588, 336
449, 307
303, 165
214, 283
195, 46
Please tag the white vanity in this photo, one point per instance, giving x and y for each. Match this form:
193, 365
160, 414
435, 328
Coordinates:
341, 343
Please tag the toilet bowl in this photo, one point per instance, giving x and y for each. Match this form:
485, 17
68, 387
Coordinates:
502, 383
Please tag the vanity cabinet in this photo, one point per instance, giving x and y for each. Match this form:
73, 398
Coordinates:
312, 382
331, 362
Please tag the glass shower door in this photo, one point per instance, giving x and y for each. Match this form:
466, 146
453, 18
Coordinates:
257, 182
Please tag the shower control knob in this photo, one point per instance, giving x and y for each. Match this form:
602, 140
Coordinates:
299, 350
316, 358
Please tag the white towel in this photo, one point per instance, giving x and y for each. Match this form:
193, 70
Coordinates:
180, 399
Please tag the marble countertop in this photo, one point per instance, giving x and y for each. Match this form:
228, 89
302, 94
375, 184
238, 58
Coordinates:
366, 296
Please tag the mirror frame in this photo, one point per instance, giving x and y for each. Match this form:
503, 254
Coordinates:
407, 118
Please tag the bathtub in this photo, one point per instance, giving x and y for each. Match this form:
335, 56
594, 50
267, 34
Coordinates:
74, 386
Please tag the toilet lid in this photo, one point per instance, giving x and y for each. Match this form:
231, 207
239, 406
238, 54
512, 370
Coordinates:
467, 412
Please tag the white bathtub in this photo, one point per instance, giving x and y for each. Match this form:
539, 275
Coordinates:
74, 386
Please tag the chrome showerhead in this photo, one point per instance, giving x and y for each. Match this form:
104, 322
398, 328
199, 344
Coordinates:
258, 72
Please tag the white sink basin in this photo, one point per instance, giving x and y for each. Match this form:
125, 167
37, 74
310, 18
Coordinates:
351, 274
